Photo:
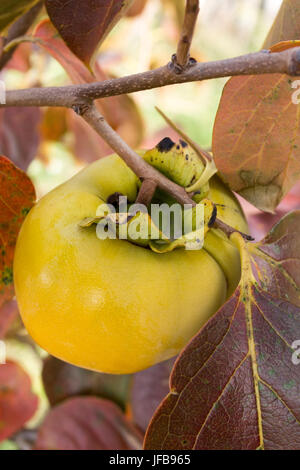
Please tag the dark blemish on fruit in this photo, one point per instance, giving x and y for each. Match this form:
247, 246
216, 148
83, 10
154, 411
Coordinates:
183, 143
165, 144
213, 217
186, 157
113, 199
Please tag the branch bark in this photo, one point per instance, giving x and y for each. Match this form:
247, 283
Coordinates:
286, 62
141, 168
19, 28
181, 59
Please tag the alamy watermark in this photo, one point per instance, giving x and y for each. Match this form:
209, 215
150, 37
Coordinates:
296, 354
296, 94
161, 222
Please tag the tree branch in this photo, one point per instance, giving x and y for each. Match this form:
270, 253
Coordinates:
151, 177
228, 230
19, 28
286, 62
141, 168
181, 60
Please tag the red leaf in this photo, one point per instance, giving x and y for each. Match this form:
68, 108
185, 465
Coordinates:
279, 269
63, 380
87, 423
120, 111
52, 43
21, 58
17, 402
17, 196
84, 25
235, 385
19, 134
149, 387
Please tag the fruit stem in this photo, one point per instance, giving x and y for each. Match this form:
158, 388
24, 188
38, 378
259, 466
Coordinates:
146, 192
139, 166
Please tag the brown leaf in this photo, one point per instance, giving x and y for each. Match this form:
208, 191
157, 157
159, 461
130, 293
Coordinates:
286, 24
87, 423
63, 380
235, 385
19, 134
17, 196
17, 402
149, 387
258, 123
84, 25
11, 9
54, 123
136, 8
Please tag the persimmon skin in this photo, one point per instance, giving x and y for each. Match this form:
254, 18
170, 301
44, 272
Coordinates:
109, 305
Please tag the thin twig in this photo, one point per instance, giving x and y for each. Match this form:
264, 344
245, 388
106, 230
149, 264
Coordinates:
287, 62
141, 168
228, 230
181, 60
19, 28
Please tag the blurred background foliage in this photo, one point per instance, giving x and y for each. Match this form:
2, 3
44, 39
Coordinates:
145, 39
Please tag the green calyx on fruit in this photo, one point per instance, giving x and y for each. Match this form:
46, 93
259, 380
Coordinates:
186, 227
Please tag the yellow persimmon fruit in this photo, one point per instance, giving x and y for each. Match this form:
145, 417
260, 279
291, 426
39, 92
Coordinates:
110, 305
